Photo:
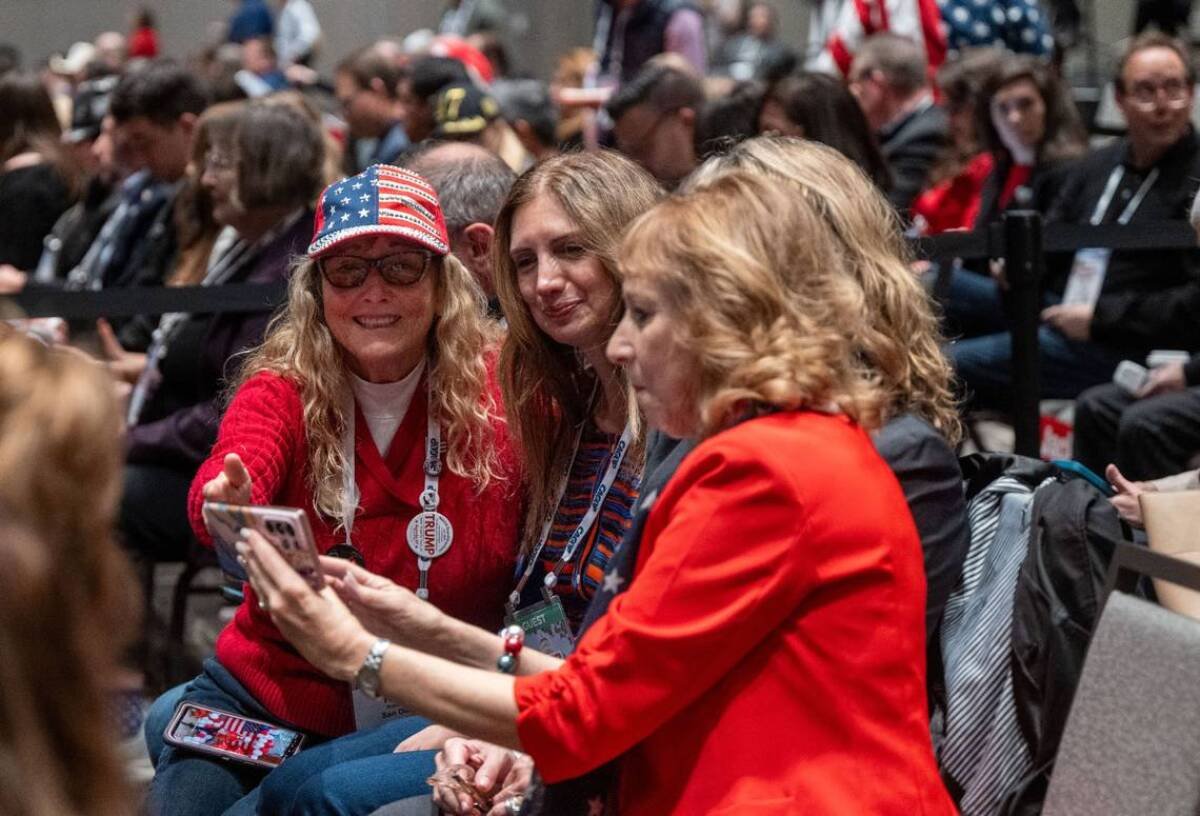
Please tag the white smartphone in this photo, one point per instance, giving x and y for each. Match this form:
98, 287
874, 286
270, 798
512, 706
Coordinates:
1130, 377
285, 527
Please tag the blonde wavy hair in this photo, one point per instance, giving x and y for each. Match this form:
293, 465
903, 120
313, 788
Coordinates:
758, 281
300, 347
69, 603
902, 341
545, 385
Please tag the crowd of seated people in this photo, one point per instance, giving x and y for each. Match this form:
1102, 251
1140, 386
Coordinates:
650, 358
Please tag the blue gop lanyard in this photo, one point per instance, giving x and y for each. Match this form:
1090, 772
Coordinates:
429, 533
599, 493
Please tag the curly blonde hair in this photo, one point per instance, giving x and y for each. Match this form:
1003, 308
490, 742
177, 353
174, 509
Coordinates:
299, 346
767, 305
902, 341
545, 385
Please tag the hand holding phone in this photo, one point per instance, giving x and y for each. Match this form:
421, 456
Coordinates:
287, 529
231, 736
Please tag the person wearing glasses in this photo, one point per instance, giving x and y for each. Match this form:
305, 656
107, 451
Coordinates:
766, 654
259, 176
573, 413
372, 405
1110, 305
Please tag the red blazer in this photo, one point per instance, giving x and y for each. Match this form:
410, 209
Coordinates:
769, 656
264, 425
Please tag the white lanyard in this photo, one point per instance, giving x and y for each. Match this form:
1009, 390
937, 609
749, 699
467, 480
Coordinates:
1110, 190
585, 524
429, 533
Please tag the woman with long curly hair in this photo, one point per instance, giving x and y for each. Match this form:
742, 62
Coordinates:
371, 404
572, 412
768, 653
900, 344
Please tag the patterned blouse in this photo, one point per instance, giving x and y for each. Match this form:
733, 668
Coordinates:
579, 580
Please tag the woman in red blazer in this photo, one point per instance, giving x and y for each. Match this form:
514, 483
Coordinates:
768, 655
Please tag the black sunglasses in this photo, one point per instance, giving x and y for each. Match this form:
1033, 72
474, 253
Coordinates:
400, 269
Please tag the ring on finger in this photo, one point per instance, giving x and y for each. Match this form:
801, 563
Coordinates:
262, 604
513, 805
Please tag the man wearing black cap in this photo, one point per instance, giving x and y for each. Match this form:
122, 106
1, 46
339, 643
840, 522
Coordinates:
92, 146
464, 113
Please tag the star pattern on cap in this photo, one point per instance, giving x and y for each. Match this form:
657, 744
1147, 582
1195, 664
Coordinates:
382, 200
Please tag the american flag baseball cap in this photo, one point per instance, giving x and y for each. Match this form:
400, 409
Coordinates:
381, 200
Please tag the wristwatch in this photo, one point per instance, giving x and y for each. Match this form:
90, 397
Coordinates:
367, 678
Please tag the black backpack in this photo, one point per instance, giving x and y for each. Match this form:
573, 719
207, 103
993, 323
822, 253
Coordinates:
1056, 566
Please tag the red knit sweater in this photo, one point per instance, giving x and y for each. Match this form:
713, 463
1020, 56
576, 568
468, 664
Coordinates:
264, 426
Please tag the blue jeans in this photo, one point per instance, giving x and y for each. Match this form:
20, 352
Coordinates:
353, 775
973, 306
188, 783
1068, 367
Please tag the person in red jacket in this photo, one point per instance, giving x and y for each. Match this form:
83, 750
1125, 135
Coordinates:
580, 437
373, 406
143, 40
768, 654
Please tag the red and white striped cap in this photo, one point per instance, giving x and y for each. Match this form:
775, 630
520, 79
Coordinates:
381, 200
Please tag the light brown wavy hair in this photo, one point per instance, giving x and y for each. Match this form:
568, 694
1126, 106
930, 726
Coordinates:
69, 603
901, 342
757, 278
299, 346
545, 385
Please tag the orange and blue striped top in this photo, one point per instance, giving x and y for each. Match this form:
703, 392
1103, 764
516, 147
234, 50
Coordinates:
579, 579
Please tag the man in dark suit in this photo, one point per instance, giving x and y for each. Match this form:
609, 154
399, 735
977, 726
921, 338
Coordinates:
889, 77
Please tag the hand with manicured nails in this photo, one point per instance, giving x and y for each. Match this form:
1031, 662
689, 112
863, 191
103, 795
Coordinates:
508, 773
318, 624
385, 608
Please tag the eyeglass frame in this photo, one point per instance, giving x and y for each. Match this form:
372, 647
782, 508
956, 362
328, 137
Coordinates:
219, 161
376, 264
1149, 92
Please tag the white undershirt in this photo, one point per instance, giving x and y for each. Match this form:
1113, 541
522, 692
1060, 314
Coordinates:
384, 404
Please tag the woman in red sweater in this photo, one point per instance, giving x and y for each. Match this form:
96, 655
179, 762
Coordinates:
371, 405
768, 655
572, 412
